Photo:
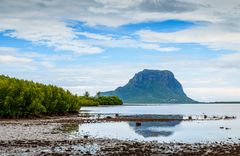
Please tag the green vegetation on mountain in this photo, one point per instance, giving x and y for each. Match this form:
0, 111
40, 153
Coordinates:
151, 86
22, 98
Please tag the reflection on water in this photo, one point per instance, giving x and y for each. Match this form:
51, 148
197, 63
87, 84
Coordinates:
154, 116
173, 131
150, 129
166, 131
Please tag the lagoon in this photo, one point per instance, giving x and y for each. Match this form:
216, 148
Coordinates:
198, 130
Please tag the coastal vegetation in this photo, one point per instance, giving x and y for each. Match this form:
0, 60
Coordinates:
22, 98
101, 100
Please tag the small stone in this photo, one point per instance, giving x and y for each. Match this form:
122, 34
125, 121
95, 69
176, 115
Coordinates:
138, 124
205, 116
189, 117
109, 117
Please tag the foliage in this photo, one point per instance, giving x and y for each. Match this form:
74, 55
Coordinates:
86, 94
22, 98
100, 100
88, 101
110, 100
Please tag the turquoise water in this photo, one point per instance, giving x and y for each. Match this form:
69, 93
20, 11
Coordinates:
175, 131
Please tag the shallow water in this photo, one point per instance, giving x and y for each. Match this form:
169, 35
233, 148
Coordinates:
168, 109
174, 131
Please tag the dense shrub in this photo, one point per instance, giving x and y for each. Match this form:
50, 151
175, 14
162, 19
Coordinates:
100, 100
110, 100
88, 101
22, 98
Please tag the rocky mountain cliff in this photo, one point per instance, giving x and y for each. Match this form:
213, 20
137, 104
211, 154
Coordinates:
151, 86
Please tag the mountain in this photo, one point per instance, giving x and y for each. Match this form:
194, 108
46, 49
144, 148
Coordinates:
151, 86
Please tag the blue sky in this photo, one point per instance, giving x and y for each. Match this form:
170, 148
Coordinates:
98, 45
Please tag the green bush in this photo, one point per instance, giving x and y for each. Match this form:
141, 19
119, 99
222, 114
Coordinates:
109, 100
88, 101
21, 98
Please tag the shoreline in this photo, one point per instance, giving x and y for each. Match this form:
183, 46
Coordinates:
81, 118
102, 146
43, 137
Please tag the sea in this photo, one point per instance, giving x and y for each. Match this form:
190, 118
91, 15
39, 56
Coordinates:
209, 123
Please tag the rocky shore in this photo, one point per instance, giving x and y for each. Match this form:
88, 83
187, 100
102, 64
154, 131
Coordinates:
47, 137
93, 146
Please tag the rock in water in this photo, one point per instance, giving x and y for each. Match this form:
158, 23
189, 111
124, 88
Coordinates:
151, 86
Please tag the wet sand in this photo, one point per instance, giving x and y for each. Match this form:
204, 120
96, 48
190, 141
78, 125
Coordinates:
44, 137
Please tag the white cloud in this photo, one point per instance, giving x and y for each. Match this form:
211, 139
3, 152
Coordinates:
50, 33
214, 94
46, 22
95, 36
213, 37
123, 42
228, 61
12, 59
8, 57
16, 52
157, 47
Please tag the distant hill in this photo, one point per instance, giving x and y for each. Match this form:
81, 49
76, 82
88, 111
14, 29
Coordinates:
151, 86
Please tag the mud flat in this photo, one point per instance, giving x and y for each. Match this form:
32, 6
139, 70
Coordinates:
46, 137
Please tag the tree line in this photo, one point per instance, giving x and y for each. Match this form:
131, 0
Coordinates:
22, 98
99, 100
